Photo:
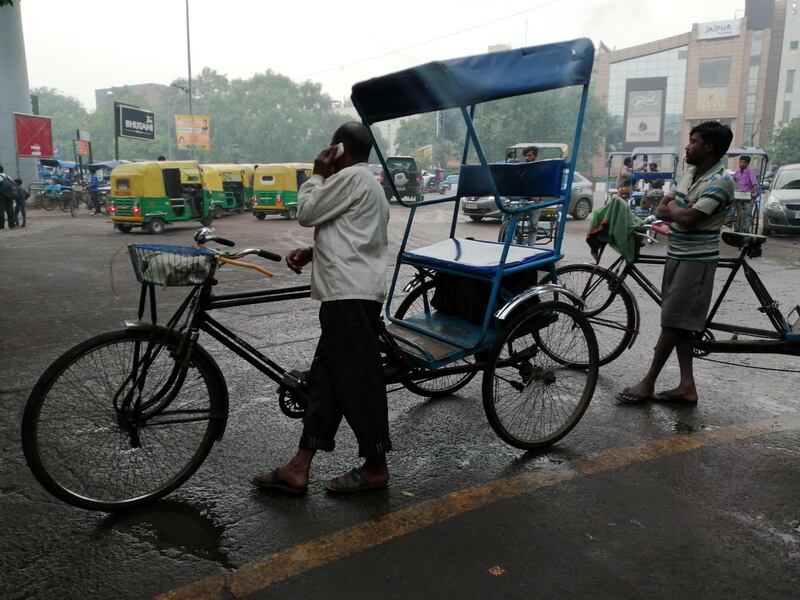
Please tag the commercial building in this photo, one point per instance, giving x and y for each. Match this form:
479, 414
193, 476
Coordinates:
726, 70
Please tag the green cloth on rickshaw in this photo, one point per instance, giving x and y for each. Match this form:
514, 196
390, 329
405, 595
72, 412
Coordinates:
614, 224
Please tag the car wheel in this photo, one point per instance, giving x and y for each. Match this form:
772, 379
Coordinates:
476, 218
583, 209
156, 226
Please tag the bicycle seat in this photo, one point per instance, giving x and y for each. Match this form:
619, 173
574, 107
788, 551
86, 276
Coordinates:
738, 239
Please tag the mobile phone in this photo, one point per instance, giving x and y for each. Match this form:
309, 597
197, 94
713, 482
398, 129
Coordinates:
339, 150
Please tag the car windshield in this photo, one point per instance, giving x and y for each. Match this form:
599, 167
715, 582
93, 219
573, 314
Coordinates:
409, 164
788, 179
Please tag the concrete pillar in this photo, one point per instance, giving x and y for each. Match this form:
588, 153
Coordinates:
15, 95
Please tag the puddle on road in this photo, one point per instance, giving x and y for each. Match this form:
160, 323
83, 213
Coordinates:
172, 526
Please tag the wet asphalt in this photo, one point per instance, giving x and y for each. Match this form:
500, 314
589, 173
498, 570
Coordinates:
647, 501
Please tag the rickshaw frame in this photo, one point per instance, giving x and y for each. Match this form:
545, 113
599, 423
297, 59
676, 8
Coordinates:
454, 84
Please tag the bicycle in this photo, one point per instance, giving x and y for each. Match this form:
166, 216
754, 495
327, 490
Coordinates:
745, 213
613, 310
71, 198
126, 417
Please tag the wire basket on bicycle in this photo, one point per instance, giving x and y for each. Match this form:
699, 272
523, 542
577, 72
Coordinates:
166, 265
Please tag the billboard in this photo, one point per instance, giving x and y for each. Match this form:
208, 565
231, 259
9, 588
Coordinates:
136, 123
645, 102
193, 132
34, 136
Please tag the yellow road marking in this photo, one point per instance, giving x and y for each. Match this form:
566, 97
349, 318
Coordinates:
294, 561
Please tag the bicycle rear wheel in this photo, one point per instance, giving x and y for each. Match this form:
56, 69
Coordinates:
46, 202
118, 421
65, 201
540, 375
74, 206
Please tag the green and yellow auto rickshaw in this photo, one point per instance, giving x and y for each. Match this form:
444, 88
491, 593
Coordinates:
275, 188
227, 186
151, 194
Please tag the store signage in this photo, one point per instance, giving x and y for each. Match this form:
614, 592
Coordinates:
718, 29
136, 123
644, 111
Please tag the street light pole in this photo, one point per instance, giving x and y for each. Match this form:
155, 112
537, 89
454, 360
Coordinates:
189, 56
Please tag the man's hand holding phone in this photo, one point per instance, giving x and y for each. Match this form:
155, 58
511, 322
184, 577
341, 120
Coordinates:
325, 163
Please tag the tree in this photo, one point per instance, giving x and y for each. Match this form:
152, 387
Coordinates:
784, 147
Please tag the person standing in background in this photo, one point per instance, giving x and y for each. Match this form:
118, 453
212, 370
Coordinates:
21, 202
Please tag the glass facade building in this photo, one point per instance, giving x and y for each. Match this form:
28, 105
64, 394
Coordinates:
668, 63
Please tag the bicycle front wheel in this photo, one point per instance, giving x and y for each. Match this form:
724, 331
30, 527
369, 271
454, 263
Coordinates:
540, 375
608, 305
74, 206
118, 420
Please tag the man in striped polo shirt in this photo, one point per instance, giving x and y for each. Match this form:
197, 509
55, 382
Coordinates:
697, 208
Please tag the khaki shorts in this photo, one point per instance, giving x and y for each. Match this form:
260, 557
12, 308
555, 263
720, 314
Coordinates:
686, 291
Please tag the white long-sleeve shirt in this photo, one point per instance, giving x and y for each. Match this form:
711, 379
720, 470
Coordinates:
350, 215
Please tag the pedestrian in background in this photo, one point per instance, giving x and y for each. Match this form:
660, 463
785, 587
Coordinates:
8, 195
94, 192
21, 202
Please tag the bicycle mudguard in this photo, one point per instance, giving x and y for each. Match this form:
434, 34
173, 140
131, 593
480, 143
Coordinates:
534, 292
163, 333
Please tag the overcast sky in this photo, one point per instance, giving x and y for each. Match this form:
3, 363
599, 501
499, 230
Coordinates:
82, 45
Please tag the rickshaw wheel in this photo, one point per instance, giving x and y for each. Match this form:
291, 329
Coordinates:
436, 387
260, 215
218, 211
156, 225
124, 227
291, 213
206, 221
540, 375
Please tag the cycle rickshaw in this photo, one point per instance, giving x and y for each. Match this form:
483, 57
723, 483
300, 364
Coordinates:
137, 429
746, 206
643, 201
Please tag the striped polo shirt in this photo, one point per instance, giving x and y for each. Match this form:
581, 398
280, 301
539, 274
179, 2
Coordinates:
712, 195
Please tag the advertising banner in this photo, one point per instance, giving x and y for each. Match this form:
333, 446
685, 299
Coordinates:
644, 111
34, 136
81, 147
193, 132
136, 123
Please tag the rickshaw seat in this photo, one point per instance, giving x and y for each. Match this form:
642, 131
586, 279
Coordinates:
478, 258
539, 178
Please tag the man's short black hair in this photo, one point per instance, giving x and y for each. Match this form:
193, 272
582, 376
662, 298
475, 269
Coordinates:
653, 164
745, 158
715, 133
18, 181
356, 140
627, 161
531, 150
2, 170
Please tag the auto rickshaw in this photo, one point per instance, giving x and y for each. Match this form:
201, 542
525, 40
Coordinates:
227, 186
275, 188
151, 194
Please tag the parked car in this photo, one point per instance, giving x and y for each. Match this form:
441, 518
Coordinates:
406, 175
782, 208
580, 204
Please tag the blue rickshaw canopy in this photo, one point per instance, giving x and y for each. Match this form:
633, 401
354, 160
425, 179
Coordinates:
471, 80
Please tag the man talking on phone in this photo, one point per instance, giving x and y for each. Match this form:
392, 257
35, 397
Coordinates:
349, 212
